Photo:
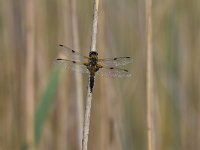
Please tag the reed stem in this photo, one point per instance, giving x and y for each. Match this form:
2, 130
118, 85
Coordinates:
79, 97
30, 91
89, 93
150, 131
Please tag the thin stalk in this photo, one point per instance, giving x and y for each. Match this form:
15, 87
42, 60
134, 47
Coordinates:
150, 132
89, 93
87, 121
79, 98
94, 25
30, 92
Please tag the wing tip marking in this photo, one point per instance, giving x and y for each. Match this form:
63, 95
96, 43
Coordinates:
126, 70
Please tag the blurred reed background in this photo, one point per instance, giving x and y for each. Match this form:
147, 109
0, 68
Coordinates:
30, 84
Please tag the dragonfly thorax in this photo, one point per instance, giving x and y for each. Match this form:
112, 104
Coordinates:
93, 58
93, 61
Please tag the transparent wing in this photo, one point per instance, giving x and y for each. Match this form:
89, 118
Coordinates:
71, 65
118, 61
71, 53
113, 72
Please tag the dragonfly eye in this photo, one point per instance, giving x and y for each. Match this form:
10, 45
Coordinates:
92, 53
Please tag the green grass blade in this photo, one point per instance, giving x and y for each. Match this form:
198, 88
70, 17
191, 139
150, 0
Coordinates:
45, 104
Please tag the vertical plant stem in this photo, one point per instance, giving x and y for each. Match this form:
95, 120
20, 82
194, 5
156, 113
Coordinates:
89, 93
79, 98
94, 26
87, 121
150, 132
29, 106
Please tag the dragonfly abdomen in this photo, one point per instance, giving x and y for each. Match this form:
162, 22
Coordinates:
91, 83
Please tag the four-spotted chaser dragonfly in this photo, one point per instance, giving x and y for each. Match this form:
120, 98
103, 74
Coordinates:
93, 65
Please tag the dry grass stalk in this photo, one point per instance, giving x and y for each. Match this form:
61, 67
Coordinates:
89, 93
79, 98
86, 121
94, 25
150, 132
30, 92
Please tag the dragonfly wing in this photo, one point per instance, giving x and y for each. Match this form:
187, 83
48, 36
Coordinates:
72, 53
118, 61
72, 65
113, 72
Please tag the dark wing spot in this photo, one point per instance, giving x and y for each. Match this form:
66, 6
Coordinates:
125, 70
128, 57
58, 59
61, 45
111, 68
115, 58
73, 51
74, 62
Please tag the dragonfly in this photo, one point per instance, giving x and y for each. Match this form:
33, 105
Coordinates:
93, 65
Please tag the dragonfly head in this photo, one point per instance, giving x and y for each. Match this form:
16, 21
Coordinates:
93, 54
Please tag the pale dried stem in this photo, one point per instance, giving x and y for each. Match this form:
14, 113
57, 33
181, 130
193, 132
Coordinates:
94, 26
89, 94
79, 98
87, 121
150, 132
30, 92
